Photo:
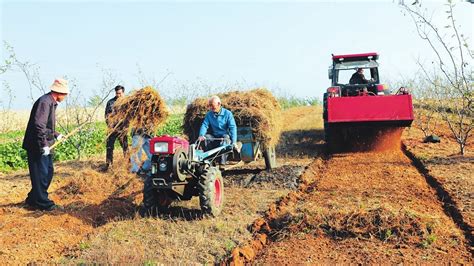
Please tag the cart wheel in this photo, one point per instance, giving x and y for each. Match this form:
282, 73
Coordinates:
211, 194
270, 158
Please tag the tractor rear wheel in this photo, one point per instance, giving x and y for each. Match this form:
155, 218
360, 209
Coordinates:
270, 158
211, 191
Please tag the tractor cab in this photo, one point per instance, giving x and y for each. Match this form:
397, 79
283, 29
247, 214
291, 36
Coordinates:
343, 69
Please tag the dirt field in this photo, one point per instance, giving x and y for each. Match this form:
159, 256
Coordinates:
372, 207
365, 211
100, 223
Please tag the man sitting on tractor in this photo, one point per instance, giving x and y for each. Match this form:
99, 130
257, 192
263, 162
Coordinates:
358, 77
218, 127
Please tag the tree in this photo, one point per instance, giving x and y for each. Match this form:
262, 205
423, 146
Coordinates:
451, 74
7, 61
78, 110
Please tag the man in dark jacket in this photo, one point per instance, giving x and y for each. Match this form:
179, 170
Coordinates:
116, 130
39, 136
358, 77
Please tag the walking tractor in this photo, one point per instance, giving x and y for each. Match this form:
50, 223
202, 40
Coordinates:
181, 170
360, 110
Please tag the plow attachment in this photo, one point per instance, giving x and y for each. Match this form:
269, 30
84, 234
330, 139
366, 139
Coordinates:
366, 122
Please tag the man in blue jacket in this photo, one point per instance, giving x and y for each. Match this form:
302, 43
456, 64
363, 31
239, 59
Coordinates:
218, 123
40, 135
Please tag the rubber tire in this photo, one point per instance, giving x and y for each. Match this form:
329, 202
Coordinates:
154, 202
269, 155
210, 205
163, 201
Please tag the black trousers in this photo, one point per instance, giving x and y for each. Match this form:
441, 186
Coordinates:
41, 173
123, 139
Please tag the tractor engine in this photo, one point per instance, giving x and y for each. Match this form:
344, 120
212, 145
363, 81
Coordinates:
169, 162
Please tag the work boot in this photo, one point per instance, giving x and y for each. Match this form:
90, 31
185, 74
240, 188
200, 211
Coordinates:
54, 207
105, 167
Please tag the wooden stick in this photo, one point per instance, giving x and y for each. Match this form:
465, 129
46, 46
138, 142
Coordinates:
63, 139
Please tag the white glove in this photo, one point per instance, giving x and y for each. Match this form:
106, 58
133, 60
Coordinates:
46, 151
59, 137
201, 138
237, 146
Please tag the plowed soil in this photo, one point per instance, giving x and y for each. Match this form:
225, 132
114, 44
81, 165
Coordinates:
378, 206
366, 208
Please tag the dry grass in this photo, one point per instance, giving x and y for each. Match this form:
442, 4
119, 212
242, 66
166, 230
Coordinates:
381, 222
17, 120
257, 108
142, 109
13, 120
179, 236
303, 118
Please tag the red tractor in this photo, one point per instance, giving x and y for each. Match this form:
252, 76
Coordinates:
180, 170
358, 109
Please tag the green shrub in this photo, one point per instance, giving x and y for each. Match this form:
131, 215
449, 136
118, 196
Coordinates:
11, 136
289, 102
173, 126
13, 156
87, 142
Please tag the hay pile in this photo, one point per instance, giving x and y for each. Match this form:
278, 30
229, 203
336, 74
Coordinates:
257, 108
142, 109
195, 113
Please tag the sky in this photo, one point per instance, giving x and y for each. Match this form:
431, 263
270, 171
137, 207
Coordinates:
285, 46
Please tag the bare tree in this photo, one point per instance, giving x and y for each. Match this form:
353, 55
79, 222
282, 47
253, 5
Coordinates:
78, 110
81, 111
7, 62
451, 76
426, 118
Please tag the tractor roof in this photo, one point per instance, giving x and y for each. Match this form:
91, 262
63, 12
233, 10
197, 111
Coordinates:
355, 57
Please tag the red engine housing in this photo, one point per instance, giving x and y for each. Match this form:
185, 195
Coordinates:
174, 143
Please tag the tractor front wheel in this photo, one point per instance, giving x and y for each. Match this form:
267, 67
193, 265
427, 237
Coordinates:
211, 194
163, 201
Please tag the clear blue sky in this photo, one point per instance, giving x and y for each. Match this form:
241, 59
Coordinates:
280, 45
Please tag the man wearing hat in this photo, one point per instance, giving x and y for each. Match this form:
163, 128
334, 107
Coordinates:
39, 136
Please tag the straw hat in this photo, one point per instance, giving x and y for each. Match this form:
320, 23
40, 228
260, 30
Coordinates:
60, 86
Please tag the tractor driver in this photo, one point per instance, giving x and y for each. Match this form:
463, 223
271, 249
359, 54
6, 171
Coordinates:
358, 77
218, 123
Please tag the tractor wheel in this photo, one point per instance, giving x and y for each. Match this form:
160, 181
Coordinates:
270, 158
211, 194
330, 140
163, 201
334, 140
155, 202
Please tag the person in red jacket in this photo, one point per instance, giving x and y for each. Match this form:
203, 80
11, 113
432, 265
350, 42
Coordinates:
40, 134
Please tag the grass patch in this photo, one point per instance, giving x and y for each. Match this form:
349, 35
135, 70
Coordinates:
86, 143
